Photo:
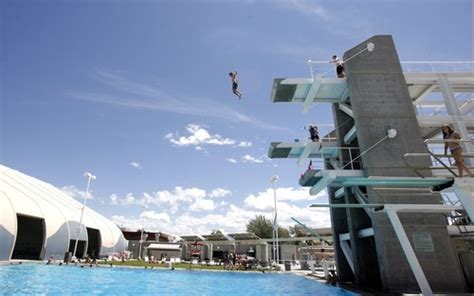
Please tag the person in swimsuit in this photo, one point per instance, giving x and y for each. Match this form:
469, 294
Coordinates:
339, 66
235, 84
455, 149
313, 133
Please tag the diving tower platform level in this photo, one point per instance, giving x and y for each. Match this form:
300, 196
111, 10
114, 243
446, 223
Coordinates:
310, 90
318, 180
336, 90
303, 150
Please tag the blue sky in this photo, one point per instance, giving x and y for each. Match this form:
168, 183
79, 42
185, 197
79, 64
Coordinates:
137, 92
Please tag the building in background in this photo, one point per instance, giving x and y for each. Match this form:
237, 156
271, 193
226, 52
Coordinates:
38, 220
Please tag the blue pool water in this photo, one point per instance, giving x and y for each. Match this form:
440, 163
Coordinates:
53, 279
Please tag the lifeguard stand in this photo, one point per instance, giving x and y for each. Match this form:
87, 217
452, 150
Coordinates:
389, 224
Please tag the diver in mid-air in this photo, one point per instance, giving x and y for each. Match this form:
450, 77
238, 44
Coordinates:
235, 84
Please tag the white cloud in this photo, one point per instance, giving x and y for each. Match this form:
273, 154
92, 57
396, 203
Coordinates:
128, 199
264, 201
245, 144
202, 205
113, 199
306, 7
198, 136
128, 222
361, 27
152, 215
231, 160
195, 199
136, 165
75, 193
141, 96
220, 192
250, 158
229, 217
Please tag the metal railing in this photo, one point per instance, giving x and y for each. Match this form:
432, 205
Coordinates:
327, 67
436, 159
437, 66
343, 162
323, 71
350, 160
417, 169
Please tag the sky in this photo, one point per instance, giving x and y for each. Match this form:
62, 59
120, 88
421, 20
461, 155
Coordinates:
138, 93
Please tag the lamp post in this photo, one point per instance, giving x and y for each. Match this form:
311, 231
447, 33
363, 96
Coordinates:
141, 235
90, 177
275, 223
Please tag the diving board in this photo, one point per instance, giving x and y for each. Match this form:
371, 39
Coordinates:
332, 178
350, 178
310, 178
403, 182
310, 90
302, 150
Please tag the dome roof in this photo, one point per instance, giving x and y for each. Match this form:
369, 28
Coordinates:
35, 212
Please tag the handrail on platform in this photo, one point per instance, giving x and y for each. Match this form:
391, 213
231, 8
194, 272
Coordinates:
442, 141
453, 66
429, 153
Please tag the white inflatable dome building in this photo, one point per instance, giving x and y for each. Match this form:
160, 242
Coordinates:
38, 220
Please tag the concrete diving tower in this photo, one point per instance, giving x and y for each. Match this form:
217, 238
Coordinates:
365, 166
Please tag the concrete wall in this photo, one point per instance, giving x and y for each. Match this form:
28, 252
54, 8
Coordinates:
288, 253
379, 100
159, 254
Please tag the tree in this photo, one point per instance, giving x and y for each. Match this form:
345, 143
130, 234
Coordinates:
283, 232
261, 226
298, 231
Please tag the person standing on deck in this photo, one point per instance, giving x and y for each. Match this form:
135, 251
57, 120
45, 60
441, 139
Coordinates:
339, 66
455, 149
313, 133
235, 84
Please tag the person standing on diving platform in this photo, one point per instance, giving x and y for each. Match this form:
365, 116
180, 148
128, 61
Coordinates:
235, 84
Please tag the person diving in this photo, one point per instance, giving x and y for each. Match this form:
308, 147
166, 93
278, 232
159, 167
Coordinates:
235, 84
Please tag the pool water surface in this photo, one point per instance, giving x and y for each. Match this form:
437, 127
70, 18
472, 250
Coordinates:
55, 279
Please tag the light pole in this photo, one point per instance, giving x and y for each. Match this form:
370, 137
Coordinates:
141, 235
275, 223
90, 177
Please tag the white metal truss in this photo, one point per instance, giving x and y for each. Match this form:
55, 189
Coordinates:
464, 190
346, 249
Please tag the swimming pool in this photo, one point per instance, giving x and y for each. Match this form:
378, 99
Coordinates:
54, 279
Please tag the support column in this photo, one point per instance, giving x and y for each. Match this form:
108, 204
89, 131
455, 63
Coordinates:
364, 256
210, 251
